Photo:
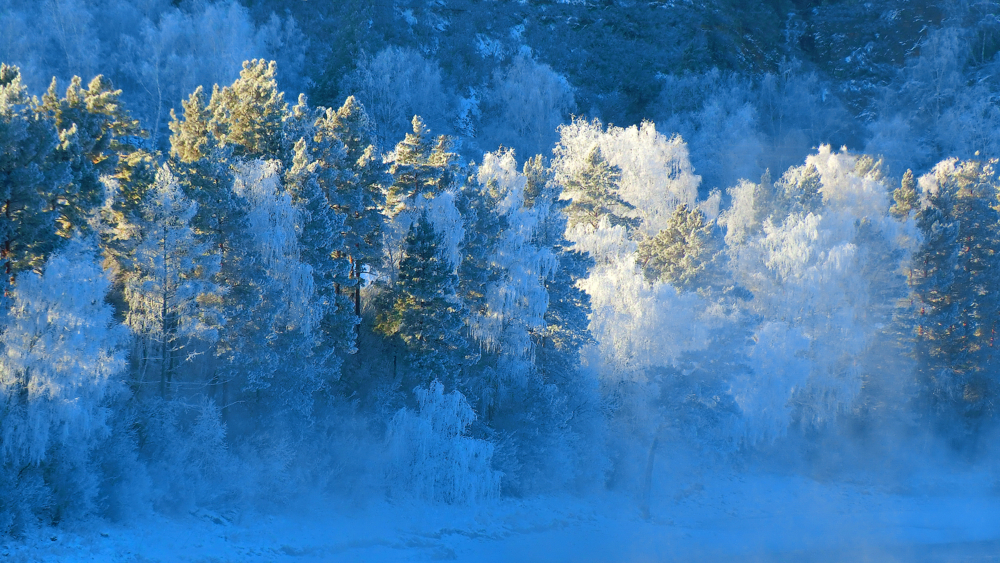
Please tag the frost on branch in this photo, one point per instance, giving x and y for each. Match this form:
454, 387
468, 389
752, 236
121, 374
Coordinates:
432, 458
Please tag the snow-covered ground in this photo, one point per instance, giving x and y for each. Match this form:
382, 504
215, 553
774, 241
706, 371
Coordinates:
734, 517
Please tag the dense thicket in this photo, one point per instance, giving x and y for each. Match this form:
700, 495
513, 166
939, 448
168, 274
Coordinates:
443, 285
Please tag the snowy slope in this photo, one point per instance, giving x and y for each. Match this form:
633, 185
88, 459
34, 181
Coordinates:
739, 517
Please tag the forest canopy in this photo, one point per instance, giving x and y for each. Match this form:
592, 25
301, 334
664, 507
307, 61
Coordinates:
423, 250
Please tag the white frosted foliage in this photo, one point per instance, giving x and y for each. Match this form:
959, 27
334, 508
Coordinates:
275, 223
639, 325
805, 272
61, 354
517, 301
170, 269
656, 173
432, 458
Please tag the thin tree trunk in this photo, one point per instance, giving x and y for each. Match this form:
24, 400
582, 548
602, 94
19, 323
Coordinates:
8, 266
163, 368
647, 481
356, 272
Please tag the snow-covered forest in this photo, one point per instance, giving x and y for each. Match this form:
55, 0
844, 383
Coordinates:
447, 255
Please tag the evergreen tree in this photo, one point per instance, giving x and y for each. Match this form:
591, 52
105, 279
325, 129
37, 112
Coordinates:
27, 172
419, 166
360, 188
426, 312
352, 180
423, 179
593, 192
205, 171
320, 230
904, 197
189, 139
679, 254
94, 132
955, 281
248, 114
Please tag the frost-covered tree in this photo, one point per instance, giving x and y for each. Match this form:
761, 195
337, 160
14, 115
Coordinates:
62, 359
813, 269
558, 344
536, 400
514, 300
797, 113
526, 103
651, 176
717, 114
655, 171
169, 286
432, 457
394, 85
283, 311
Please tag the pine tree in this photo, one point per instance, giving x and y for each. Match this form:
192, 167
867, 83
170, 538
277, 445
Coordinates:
189, 139
904, 197
536, 177
418, 167
321, 226
360, 189
425, 314
27, 224
679, 254
204, 169
593, 192
95, 131
248, 114
423, 179
955, 282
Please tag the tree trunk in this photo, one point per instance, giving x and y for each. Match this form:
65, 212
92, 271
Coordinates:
356, 270
163, 368
647, 481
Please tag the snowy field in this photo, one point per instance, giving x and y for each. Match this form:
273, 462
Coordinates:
723, 518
